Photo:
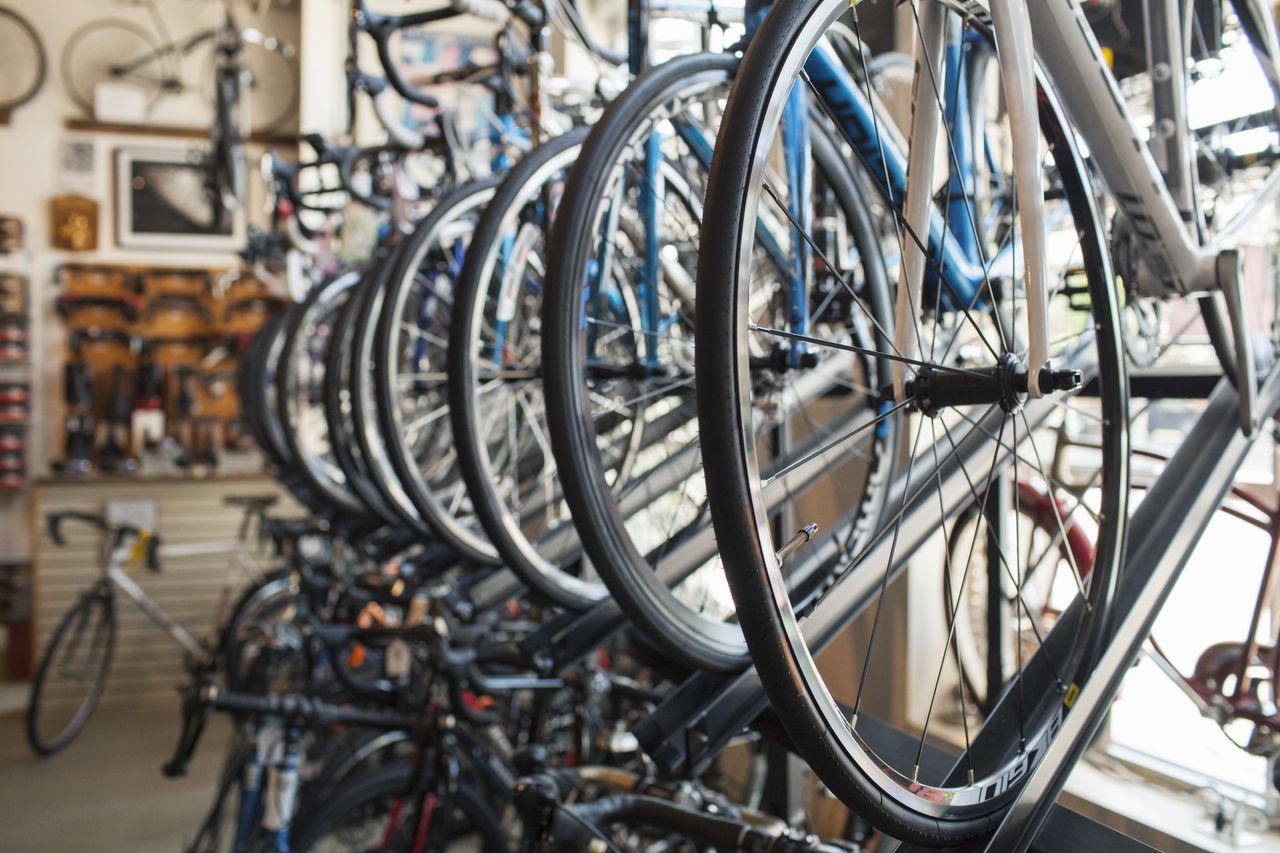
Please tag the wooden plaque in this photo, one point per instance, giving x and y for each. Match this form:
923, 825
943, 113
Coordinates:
73, 223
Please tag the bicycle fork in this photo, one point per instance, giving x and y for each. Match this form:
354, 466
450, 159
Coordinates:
281, 795
1017, 68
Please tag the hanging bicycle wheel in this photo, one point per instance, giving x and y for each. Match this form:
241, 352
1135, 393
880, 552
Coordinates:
338, 400
496, 401
300, 392
23, 65
114, 50
626, 236
256, 389
371, 444
269, 73
794, 592
404, 389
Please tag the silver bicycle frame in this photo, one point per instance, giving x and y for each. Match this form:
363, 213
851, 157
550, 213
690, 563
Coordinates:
120, 556
138, 595
1176, 261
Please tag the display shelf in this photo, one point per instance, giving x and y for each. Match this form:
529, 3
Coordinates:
169, 131
95, 478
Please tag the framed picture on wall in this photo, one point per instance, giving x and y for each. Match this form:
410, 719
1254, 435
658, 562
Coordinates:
164, 200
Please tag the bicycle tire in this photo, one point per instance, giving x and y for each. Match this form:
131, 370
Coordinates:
337, 406
385, 344
276, 586
222, 809
255, 375
649, 603
382, 788
893, 799
99, 599
519, 551
81, 91
41, 65
374, 451
299, 330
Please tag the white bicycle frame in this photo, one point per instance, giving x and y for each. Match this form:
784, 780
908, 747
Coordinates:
241, 562
1176, 260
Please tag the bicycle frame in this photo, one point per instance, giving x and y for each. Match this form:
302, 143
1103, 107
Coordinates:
1177, 261
114, 573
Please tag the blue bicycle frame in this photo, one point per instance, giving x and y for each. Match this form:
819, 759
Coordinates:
958, 265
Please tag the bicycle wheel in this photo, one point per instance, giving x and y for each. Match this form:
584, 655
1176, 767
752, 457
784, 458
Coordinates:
373, 446
338, 402
498, 411
301, 373
273, 88
23, 65
974, 444
220, 821
646, 526
114, 50
404, 387
226, 159
1050, 557
269, 70
255, 388
72, 673
380, 811
258, 605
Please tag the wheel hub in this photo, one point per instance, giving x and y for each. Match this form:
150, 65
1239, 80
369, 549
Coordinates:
1005, 383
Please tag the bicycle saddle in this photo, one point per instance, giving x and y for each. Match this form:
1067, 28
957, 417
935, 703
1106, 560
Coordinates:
255, 502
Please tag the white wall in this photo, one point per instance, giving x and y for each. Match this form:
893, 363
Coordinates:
29, 178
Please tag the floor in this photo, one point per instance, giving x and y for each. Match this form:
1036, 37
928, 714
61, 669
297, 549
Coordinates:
105, 792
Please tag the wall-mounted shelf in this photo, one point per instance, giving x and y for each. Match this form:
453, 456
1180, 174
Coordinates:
85, 125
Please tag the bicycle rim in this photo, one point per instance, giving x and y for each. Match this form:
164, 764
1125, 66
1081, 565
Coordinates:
967, 450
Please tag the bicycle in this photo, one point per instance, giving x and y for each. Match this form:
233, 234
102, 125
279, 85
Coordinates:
117, 49
961, 322
76, 662
121, 51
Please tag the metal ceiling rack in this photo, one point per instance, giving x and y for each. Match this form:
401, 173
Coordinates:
708, 710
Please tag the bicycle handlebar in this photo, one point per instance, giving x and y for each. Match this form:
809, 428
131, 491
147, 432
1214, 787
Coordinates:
381, 26
53, 523
119, 532
200, 702
300, 707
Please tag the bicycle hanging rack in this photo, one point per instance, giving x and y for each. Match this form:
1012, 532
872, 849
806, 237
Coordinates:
688, 730
1162, 534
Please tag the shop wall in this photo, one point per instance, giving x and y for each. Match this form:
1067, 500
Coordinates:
30, 176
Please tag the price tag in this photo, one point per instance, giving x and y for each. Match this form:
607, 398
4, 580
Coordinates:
397, 659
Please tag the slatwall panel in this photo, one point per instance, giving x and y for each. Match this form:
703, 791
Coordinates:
147, 664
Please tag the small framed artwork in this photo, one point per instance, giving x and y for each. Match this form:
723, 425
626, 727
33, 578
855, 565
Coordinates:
165, 200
